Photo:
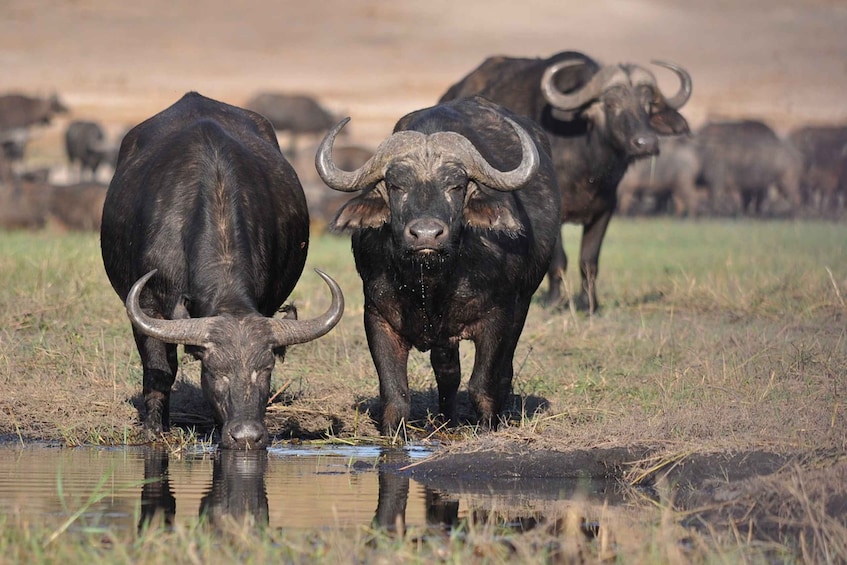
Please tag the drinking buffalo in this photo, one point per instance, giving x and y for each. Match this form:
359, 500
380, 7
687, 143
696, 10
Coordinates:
204, 235
597, 119
449, 246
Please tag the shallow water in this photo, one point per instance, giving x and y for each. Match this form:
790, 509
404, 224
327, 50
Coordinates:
283, 487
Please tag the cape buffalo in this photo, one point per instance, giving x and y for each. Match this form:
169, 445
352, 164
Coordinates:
669, 176
21, 111
449, 246
86, 143
824, 149
204, 235
741, 160
295, 114
597, 119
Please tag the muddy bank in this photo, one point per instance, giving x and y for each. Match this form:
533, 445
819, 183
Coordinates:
768, 496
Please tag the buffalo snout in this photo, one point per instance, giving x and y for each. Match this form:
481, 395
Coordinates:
244, 434
644, 145
426, 234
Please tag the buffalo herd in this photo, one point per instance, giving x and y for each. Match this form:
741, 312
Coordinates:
454, 218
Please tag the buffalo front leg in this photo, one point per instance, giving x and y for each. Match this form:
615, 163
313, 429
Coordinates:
390, 354
491, 380
160, 365
448, 375
589, 259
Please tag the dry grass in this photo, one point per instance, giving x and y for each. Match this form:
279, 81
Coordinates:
716, 338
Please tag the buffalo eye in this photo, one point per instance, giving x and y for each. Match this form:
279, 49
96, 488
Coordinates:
395, 188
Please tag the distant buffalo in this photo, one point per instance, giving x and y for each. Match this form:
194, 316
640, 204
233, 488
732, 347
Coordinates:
670, 176
21, 111
205, 234
453, 225
295, 114
78, 207
24, 204
598, 119
34, 204
741, 160
87, 146
824, 149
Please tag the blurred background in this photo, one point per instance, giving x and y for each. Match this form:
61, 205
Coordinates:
116, 63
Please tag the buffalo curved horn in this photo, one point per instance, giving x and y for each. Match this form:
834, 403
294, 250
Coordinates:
291, 332
591, 90
679, 99
480, 169
335, 178
186, 332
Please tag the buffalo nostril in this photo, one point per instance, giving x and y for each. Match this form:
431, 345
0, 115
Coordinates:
426, 230
647, 144
246, 435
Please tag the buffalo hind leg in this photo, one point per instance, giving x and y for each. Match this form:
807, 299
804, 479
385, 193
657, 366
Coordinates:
390, 354
448, 375
556, 272
160, 366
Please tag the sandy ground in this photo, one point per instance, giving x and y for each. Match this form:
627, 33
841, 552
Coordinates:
119, 62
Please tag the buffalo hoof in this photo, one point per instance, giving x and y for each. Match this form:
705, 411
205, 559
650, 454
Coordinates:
583, 304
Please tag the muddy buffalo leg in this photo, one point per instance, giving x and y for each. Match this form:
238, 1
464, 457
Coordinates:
160, 366
390, 354
491, 379
448, 375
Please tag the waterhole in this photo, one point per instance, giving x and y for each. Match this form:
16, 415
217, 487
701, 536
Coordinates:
283, 487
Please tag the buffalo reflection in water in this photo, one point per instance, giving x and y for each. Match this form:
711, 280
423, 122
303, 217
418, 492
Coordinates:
237, 494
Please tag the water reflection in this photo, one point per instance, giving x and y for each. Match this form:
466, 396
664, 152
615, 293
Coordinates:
441, 512
157, 496
516, 504
284, 487
237, 493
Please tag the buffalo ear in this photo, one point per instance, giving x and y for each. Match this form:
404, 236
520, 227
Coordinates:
490, 212
368, 210
668, 121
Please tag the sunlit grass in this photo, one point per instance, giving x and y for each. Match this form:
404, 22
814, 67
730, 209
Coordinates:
713, 335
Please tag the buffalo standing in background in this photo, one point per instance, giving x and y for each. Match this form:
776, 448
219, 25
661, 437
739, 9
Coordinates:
448, 246
669, 176
12, 149
295, 114
204, 208
598, 119
85, 143
21, 111
824, 149
741, 160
